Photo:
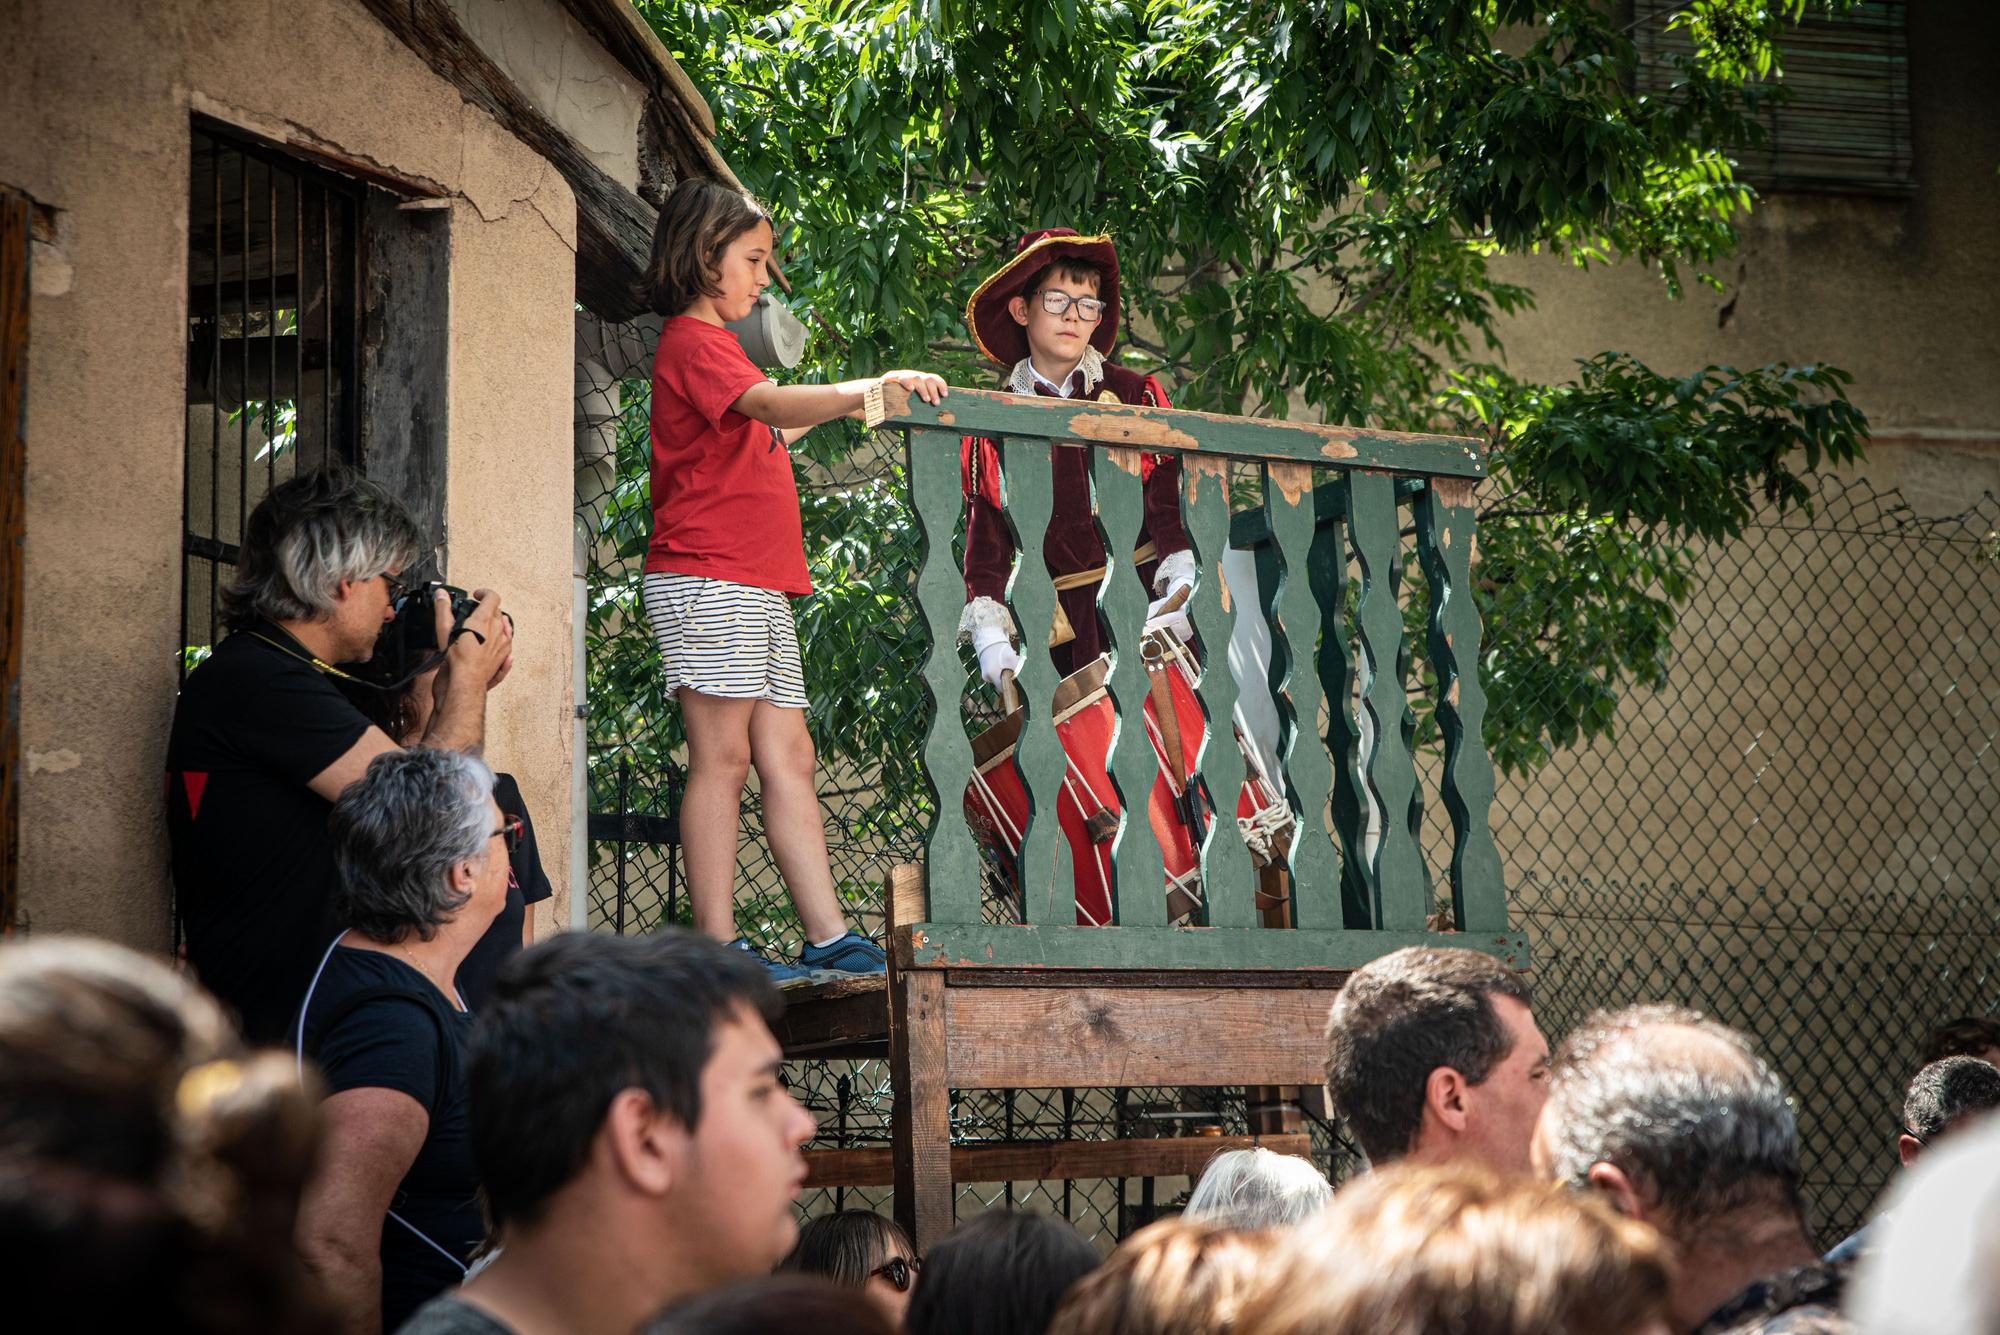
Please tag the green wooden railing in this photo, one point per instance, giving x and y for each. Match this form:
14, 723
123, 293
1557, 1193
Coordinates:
1331, 497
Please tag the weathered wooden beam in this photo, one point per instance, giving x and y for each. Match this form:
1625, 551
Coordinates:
15, 228
991, 413
614, 227
934, 945
845, 1018
1051, 1161
1131, 1036
922, 1106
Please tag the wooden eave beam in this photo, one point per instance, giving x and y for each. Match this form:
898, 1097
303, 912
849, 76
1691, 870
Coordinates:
614, 227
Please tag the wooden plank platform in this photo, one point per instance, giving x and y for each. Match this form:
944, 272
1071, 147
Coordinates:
1049, 1161
843, 1020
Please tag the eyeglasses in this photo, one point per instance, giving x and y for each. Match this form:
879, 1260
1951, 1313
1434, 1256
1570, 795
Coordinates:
513, 830
399, 587
1088, 309
900, 1271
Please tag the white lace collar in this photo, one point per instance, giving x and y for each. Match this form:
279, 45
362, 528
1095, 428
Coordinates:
1091, 368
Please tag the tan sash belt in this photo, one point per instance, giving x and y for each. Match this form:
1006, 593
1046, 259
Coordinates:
1060, 631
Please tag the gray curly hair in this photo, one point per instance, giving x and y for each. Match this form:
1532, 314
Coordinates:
1682, 1104
397, 833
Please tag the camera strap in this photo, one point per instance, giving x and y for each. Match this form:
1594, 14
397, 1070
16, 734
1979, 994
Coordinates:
320, 664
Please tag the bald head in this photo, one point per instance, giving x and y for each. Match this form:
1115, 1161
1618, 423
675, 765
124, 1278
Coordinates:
1683, 1106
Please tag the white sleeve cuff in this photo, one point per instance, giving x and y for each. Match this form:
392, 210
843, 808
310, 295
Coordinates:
987, 615
1177, 568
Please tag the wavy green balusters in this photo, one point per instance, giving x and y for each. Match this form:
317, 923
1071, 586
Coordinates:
1048, 889
1228, 878
1288, 501
1327, 566
1444, 545
1401, 887
1139, 878
951, 861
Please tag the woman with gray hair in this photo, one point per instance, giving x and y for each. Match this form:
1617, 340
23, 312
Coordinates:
392, 1217
1257, 1188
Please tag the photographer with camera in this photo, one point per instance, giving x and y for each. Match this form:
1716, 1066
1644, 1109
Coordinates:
263, 739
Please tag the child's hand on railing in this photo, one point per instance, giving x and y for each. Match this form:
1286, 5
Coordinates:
926, 386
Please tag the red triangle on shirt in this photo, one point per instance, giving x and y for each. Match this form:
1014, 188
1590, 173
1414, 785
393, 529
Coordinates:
194, 781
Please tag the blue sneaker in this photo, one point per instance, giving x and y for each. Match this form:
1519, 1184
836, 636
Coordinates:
854, 955
783, 974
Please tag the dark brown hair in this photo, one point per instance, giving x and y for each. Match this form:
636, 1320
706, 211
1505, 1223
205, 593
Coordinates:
700, 220
847, 1246
150, 1167
999, 1273
1967, 1036
1399, 1019
1407, 1251
1073, 269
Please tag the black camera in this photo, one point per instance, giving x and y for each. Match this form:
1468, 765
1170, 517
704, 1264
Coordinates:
408, 645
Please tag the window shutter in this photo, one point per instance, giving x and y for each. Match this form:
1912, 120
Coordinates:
1844, 127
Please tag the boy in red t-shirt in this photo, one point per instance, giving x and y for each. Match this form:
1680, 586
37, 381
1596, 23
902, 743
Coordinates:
726, 556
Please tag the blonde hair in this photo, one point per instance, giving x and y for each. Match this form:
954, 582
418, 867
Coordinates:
1407, 1250
1176, 1277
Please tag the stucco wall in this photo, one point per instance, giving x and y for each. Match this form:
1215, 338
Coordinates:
1898, 291
98, 128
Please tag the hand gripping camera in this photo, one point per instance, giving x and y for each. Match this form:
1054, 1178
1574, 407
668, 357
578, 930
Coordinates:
408, 646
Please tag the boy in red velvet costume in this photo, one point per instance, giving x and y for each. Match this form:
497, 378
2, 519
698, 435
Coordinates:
1049, 317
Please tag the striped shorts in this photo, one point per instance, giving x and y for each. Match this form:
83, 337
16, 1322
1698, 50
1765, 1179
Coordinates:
723, 639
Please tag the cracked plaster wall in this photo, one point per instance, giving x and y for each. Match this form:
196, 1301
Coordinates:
98, 128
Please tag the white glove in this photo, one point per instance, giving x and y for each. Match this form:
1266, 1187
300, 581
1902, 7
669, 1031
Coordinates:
996, 654
1175, 621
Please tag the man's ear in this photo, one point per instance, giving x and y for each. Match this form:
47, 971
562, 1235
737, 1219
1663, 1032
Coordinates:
1617, 1188
644, 1144
1908, 1147
1445, 1099
464, 875
1018, 308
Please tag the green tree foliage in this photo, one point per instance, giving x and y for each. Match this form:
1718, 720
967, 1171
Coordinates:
1319, 190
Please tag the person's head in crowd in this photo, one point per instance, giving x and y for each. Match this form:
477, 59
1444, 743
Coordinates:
787, 1302
1413, 1250
326, 549
1433, 1056
861, 1250
1946, 1096
1934, 1265
150, 1167
421, 847
1968, 1036
626, 1102
1002, 1273
1178, 1276
1258, 1188
1676, 1121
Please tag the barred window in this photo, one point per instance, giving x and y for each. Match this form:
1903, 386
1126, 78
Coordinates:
1844, 127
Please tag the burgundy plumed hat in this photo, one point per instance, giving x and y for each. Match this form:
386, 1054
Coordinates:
992, 324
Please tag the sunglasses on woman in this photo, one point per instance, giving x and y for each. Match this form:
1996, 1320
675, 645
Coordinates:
900, 1271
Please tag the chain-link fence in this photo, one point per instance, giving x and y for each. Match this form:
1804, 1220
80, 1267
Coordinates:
1797, 834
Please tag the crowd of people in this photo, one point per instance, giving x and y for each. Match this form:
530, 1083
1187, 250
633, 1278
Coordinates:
611, 1148
368, 1101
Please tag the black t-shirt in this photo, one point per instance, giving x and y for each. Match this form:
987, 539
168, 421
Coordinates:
252, 861
373, 1022
527, 884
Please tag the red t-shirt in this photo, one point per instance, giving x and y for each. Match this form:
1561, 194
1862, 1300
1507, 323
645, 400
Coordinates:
724, 502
